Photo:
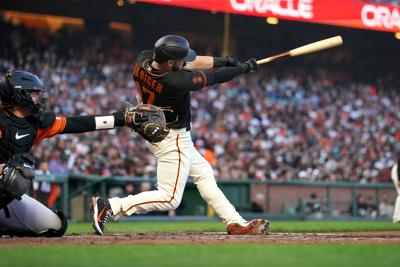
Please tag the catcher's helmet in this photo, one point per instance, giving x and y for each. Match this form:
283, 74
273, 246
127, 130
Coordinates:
16, 87
173, 47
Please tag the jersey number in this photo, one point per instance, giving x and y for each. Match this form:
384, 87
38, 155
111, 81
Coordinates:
144, 90
151, 94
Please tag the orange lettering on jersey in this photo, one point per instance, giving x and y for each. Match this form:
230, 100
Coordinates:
154, 84
141, 75
151, 98
138, 88
159, 88
146, 84
150, 82
135, 71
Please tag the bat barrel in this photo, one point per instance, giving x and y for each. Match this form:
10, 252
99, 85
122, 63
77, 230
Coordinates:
306, 49
317, 46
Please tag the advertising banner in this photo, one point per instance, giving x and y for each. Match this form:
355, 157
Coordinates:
348, 13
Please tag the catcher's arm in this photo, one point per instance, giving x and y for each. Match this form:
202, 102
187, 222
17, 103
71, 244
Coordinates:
147, 120
78, 124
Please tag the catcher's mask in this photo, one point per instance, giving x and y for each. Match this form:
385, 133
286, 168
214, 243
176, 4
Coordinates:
25, 90
173, 47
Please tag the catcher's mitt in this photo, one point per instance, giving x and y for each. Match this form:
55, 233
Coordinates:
147, 120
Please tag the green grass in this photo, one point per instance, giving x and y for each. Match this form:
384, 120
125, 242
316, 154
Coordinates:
193, 255
202, 255
293, 227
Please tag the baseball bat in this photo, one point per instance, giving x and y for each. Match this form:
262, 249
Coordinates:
305, 49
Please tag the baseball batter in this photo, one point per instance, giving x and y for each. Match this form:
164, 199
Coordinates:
165, 77
24, 123
395, 177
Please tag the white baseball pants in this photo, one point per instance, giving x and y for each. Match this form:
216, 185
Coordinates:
395, 178
177, 159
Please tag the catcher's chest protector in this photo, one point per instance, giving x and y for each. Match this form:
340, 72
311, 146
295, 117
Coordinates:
17, 136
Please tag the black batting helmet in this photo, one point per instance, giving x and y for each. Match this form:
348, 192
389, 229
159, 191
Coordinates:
15, 89
173, 47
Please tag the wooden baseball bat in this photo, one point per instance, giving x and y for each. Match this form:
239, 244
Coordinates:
305, 49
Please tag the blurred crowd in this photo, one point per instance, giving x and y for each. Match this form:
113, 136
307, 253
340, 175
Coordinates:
310, 124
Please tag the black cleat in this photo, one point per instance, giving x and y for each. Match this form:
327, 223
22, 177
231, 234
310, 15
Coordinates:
101, 212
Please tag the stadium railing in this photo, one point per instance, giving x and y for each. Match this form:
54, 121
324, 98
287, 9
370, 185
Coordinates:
283, 199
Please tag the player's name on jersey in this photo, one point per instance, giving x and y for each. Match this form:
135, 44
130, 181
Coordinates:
144, 76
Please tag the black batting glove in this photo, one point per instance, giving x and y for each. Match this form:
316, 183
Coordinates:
249, 66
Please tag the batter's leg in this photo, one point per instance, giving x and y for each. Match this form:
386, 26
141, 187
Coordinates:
203, 176
29, 217
172, 172
395, 178
396, 214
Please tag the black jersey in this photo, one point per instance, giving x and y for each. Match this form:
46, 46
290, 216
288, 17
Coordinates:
18, 135
167, 89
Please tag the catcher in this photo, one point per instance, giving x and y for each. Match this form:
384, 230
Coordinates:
23, 123
166, 77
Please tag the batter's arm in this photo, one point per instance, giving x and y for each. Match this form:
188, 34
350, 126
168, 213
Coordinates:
200, 63
195, 80
225, 74
208, 62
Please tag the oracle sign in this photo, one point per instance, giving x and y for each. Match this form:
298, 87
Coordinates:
287, 8
380, 16
348, 13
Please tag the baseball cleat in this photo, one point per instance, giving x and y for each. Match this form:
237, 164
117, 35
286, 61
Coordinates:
101, 211
254, 227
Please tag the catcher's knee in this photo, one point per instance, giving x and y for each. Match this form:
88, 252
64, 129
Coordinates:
30, 233
59, 232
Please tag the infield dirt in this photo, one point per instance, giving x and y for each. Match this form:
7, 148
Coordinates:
387, 237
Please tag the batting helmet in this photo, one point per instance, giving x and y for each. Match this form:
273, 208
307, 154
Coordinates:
173, 47
15, 89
